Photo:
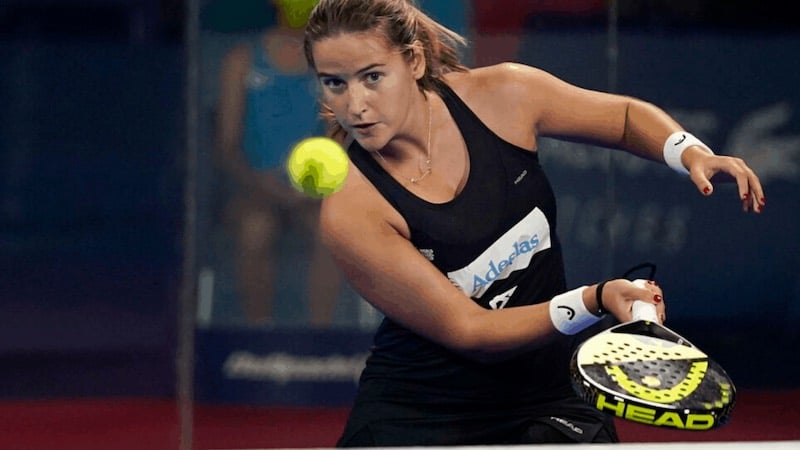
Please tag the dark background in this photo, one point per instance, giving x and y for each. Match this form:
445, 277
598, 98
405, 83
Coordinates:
92, 171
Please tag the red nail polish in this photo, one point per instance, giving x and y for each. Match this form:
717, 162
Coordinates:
763, 201
706, 190
746, 197
657, 298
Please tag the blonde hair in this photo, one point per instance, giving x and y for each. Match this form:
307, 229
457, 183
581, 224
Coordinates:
403, 25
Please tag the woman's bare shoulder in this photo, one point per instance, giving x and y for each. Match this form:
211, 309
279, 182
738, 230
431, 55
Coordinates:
501, 82
357, 209
506, 97
240, 54
496, 75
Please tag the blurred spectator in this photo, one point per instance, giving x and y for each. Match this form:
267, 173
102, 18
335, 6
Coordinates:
267, 103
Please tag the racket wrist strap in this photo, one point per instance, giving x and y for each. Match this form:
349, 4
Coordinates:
598, 293
569, 314
674, 147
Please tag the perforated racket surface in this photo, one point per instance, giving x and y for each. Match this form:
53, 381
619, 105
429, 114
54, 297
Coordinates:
644, 372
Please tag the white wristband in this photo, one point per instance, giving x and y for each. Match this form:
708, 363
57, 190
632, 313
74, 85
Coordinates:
569, 314
676, 143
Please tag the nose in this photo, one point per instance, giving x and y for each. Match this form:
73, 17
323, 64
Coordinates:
357, 100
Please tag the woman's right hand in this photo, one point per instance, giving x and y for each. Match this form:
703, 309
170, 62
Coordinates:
620, 294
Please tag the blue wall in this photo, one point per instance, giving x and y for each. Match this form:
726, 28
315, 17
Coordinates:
91, 215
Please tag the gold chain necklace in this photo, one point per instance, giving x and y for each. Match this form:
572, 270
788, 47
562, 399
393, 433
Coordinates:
427, 170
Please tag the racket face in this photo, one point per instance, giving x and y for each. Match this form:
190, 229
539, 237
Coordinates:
646, 373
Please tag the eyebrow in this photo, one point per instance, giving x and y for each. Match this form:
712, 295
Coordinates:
360, 71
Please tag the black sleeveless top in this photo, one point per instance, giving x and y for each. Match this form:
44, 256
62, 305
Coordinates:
496, 240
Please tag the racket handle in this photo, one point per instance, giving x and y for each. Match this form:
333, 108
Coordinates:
642, 310
645, 311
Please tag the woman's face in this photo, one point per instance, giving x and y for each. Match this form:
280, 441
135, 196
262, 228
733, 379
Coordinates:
369, 85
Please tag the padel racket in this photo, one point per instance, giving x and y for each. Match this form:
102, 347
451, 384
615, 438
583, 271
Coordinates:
644, 372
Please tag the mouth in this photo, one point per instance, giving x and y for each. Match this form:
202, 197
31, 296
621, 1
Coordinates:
362, 127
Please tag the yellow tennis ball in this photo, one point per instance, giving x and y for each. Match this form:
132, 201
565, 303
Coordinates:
317, 166
297, 12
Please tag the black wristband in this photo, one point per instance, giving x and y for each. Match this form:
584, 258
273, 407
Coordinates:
598, 294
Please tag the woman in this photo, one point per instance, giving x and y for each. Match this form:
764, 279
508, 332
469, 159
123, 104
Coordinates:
446, 224
265, 90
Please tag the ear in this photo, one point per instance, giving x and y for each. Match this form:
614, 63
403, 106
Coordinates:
416, 60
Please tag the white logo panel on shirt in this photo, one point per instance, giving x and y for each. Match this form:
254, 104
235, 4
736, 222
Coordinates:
512, 251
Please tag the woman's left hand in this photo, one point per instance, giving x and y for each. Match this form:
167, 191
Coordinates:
703, 167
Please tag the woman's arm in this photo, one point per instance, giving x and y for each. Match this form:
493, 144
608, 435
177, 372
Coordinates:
230, 113
368, 239
561, 110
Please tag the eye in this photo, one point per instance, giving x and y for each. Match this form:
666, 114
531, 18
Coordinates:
373, 77
334, 84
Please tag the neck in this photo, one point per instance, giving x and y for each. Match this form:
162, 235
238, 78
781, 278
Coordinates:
425, 160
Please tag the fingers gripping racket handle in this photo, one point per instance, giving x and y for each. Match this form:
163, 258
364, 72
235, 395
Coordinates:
642, 310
